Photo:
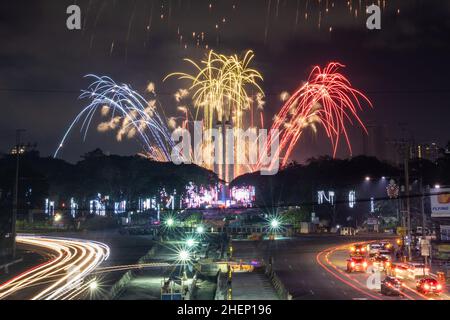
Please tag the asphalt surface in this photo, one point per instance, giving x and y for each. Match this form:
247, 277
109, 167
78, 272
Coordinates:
313, 267
63, 276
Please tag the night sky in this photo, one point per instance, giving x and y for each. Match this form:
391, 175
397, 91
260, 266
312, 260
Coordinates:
403, 68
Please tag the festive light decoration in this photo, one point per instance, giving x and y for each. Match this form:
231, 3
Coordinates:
352, 199
392, 190
244, 196
321, 196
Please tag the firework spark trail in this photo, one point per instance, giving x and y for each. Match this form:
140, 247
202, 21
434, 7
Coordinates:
220, 89
219, 86
327, 98
134, 114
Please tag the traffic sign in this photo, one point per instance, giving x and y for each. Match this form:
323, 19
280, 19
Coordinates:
425, 247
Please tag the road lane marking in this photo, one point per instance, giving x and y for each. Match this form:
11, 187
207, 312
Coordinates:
342, 279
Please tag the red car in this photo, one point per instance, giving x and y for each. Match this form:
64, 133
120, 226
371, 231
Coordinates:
358, 264
358, 249
429, 285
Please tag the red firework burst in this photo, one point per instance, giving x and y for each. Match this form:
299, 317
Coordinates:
328, 99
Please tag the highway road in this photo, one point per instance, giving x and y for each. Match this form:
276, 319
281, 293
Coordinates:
313, 268
63, 275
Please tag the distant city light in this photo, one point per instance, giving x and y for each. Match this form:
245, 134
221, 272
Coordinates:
57, 217
367, 178
437, 186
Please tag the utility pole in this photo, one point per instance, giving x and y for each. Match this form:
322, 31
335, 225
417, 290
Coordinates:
16, 191
403, 147
408, 204
424, 224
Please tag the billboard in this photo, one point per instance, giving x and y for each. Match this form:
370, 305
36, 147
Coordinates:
440, 203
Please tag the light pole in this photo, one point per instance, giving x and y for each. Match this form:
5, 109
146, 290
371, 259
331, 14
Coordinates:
16, 192
408, 204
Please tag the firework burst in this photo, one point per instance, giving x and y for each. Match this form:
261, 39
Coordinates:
220, 88
327, 99
128, 113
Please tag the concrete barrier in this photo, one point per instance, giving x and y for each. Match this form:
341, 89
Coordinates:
118, 287
9, 264
278, 285
221, 286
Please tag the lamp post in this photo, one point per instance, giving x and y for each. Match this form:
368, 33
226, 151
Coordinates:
16, 192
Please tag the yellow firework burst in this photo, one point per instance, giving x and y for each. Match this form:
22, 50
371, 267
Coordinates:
220, 87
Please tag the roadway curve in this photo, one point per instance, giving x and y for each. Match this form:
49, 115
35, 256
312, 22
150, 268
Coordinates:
312, 267
60, 278
333, 261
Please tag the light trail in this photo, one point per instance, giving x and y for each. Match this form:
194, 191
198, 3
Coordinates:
339, 274
340, 278
73, 260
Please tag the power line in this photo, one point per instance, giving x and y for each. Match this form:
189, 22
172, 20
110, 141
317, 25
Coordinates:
269, 94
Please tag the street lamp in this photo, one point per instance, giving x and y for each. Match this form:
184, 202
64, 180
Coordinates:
200, 229
184, 256
170, 222
367, 178
274, 223
437, 186
190, 242
93, 285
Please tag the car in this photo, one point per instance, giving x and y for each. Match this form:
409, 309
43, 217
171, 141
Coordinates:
358, 249
385, 253
381, 263
416, 270
386, 246
429, 285
392, 286
356, 264
374, 248
398, 270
